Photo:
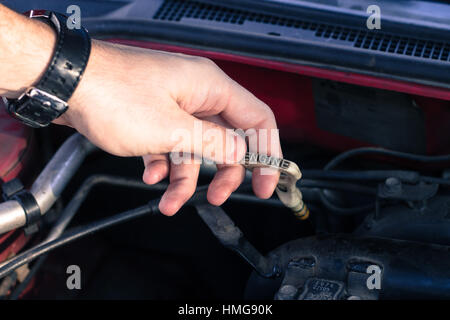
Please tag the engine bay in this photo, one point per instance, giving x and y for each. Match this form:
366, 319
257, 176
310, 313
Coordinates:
366, 126
370, 209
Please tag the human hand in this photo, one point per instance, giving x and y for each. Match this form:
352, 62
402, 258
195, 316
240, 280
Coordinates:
131, 101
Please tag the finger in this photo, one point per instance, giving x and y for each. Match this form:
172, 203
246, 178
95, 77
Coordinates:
156, 168
246, 111
226, 180
264, 182
228, 177
183, 181
206, 139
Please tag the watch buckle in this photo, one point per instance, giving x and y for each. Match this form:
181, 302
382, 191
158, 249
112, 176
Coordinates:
46, 99
26, 104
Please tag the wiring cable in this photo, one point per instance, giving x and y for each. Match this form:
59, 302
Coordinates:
84, 190
362, 176
82, 231
315, 179
412, 177
72, 208
344, 211
76, 233
406, 176
385, 152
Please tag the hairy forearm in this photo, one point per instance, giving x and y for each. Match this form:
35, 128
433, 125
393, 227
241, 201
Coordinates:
26, 48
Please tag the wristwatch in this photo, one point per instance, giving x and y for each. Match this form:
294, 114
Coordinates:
39, 105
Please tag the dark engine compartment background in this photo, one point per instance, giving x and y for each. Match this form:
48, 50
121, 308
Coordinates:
156, 257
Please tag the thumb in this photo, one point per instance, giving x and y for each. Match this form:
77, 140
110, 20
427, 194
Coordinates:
207, 141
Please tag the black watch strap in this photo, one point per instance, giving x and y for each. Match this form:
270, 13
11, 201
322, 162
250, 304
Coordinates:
47, 100
69, 59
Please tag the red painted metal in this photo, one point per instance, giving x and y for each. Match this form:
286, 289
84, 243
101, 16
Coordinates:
348, 77
287, 89
14, 139
14, 146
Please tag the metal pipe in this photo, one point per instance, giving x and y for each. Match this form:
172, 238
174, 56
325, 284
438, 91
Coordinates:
12, 216
51, 182
54, 178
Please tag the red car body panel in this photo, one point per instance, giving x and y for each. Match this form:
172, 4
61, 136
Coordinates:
287, 89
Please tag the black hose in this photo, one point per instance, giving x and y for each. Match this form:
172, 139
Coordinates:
313, 175
24, 284
380, 151
72, 208
337, 185
83, 231
440, 181
411, 177
82, 193
344, 211
80, 196
54, 239
76, 233
369, 150
368, 175
341, 186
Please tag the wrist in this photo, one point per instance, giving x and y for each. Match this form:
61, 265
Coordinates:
96, 69
46, 98
27, 49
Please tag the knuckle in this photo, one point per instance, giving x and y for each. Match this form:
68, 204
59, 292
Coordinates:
206, 63
268, 114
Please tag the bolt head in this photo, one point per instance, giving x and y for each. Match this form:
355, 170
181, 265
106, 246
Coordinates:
287, 292
393, 185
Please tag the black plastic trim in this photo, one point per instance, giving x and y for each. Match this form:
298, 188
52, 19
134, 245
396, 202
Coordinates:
310, 53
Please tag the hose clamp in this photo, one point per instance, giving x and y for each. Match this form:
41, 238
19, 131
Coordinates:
14, 190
